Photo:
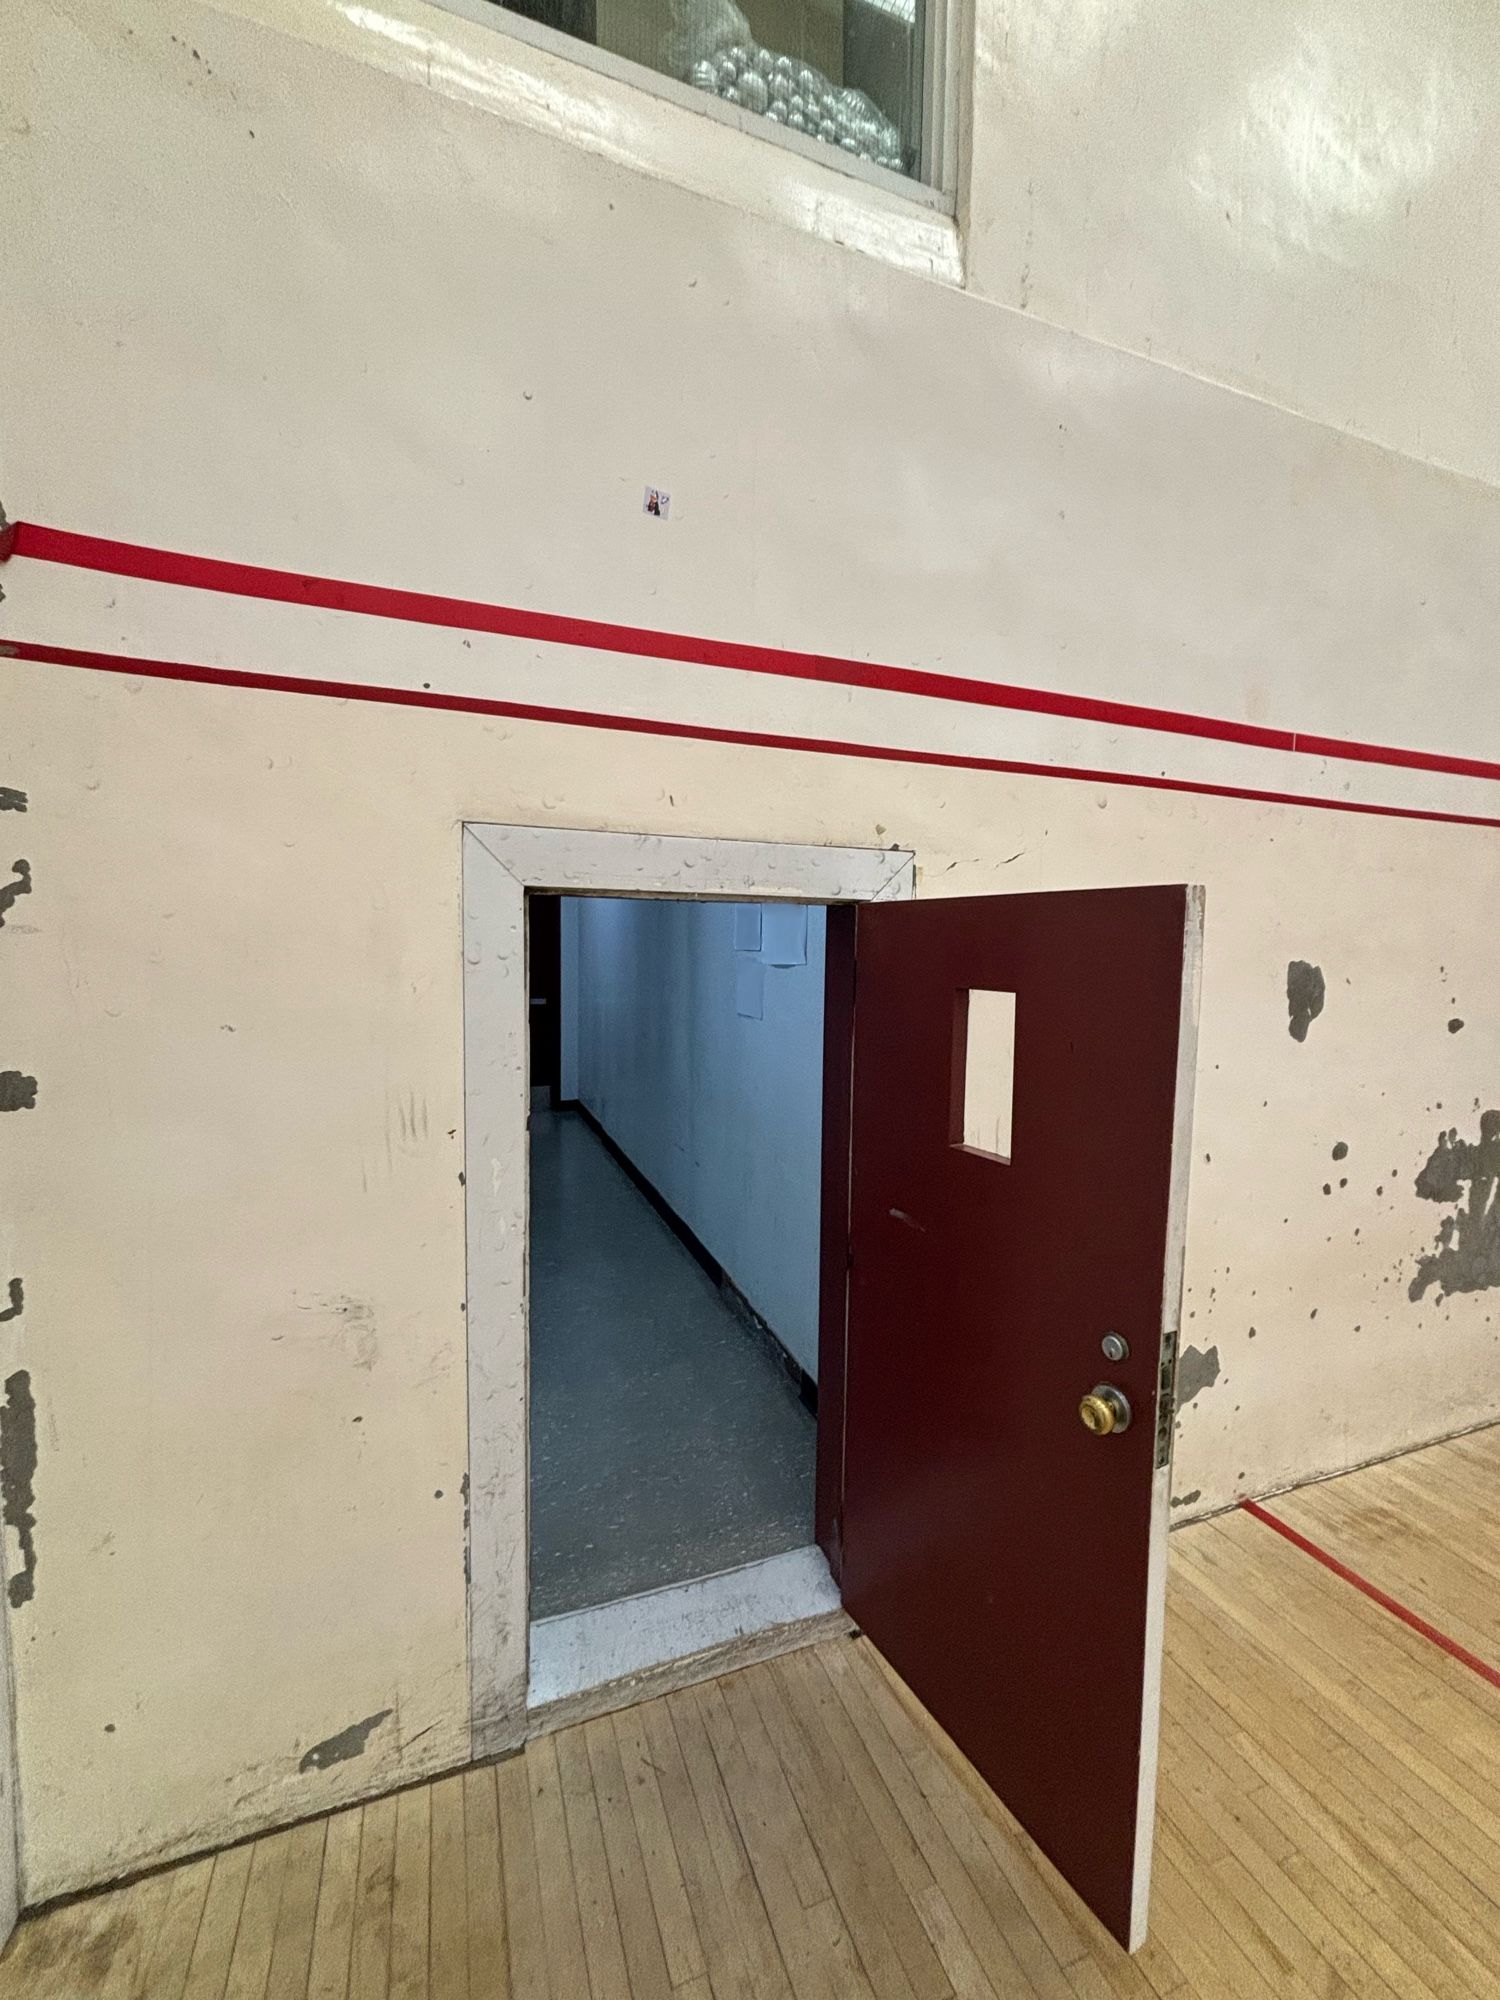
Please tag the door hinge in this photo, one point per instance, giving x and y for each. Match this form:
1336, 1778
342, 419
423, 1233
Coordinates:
1166, 1399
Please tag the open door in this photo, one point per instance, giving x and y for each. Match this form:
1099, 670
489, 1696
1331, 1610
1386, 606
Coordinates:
1019, 1135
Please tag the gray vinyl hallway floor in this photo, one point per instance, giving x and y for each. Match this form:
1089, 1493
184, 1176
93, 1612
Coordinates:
666, 1442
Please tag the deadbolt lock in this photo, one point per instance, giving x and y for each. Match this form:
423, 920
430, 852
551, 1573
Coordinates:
1105, 1410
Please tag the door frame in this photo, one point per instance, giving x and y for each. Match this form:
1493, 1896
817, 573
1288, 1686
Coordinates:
500, 864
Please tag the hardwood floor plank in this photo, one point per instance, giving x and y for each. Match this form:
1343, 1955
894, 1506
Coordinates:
892, 1942
69, 1952
333, 1930
732, 1697
675, 1922
214, 1946
567, 1966
411, 1889
370, 1955
250, 1965
760, 1816
448, 1893
645, 1958
682, 1726
525, 1928
489, 1949
297, 1912
146, 1906
604, 1950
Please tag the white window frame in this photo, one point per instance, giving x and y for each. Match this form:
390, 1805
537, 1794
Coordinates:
937, 188
500, 864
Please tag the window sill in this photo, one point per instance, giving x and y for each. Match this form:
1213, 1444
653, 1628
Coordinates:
654, 125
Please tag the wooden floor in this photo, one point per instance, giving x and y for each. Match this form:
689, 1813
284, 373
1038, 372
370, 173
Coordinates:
1330, 1821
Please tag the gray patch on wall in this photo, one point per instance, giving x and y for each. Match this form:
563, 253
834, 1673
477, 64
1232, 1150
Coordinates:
17, 1301
11, 801
1305, 993
1197, 1370
1188, 1498
18, 1479
1466, 1173
19, 886
17, 1092
348, 1743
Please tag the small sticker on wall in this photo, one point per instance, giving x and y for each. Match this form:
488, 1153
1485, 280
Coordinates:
785, 938
657, 503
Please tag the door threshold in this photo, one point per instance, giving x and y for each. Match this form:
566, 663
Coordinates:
610, 1655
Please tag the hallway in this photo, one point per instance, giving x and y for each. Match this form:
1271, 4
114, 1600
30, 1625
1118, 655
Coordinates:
666, 1441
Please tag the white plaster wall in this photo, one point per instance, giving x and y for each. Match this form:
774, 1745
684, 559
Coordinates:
721, 1112
270, 301
1295, 196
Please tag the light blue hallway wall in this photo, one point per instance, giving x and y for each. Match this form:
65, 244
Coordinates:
720, 1111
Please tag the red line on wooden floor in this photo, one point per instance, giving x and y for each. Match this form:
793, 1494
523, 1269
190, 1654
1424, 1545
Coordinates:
137, 559
584, 718
1375, 1594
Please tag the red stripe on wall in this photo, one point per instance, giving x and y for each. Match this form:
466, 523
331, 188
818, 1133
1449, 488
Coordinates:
181, 670
1375, 1594
135, 559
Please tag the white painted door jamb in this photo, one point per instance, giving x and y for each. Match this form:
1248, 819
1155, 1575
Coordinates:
500, 863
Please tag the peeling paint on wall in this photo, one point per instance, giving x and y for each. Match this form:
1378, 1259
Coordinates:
11, 801
17, 1092
1305, 993
1197, 1370
1467, 1256
18, 1479
347, 1743
19, 885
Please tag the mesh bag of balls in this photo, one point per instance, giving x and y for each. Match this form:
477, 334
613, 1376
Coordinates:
718, 54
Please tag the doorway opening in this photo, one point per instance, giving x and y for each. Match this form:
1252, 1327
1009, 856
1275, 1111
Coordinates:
676, 1157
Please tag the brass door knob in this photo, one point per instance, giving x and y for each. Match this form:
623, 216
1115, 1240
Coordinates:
1104, 1410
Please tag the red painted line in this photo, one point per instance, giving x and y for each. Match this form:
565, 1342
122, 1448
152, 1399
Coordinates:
1376, 1595
135, 559
584, 718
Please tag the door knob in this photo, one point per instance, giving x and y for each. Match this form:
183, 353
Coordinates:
1104, 1410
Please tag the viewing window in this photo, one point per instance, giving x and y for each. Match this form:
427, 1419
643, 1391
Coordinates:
984, 1071
840, 76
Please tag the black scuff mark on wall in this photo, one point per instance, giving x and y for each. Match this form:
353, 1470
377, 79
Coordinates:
1188, 1498
19, 885
1454, 1025
17, 1304
347, 1743
17, 1092
12, 801
1197, 1370
1465, 1173
18, 1479
1341, 1150
1305, 994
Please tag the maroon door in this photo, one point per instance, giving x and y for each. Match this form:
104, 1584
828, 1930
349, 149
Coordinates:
1007, 1560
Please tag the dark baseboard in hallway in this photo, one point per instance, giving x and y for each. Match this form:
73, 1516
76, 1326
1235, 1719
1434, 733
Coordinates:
757, 1328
